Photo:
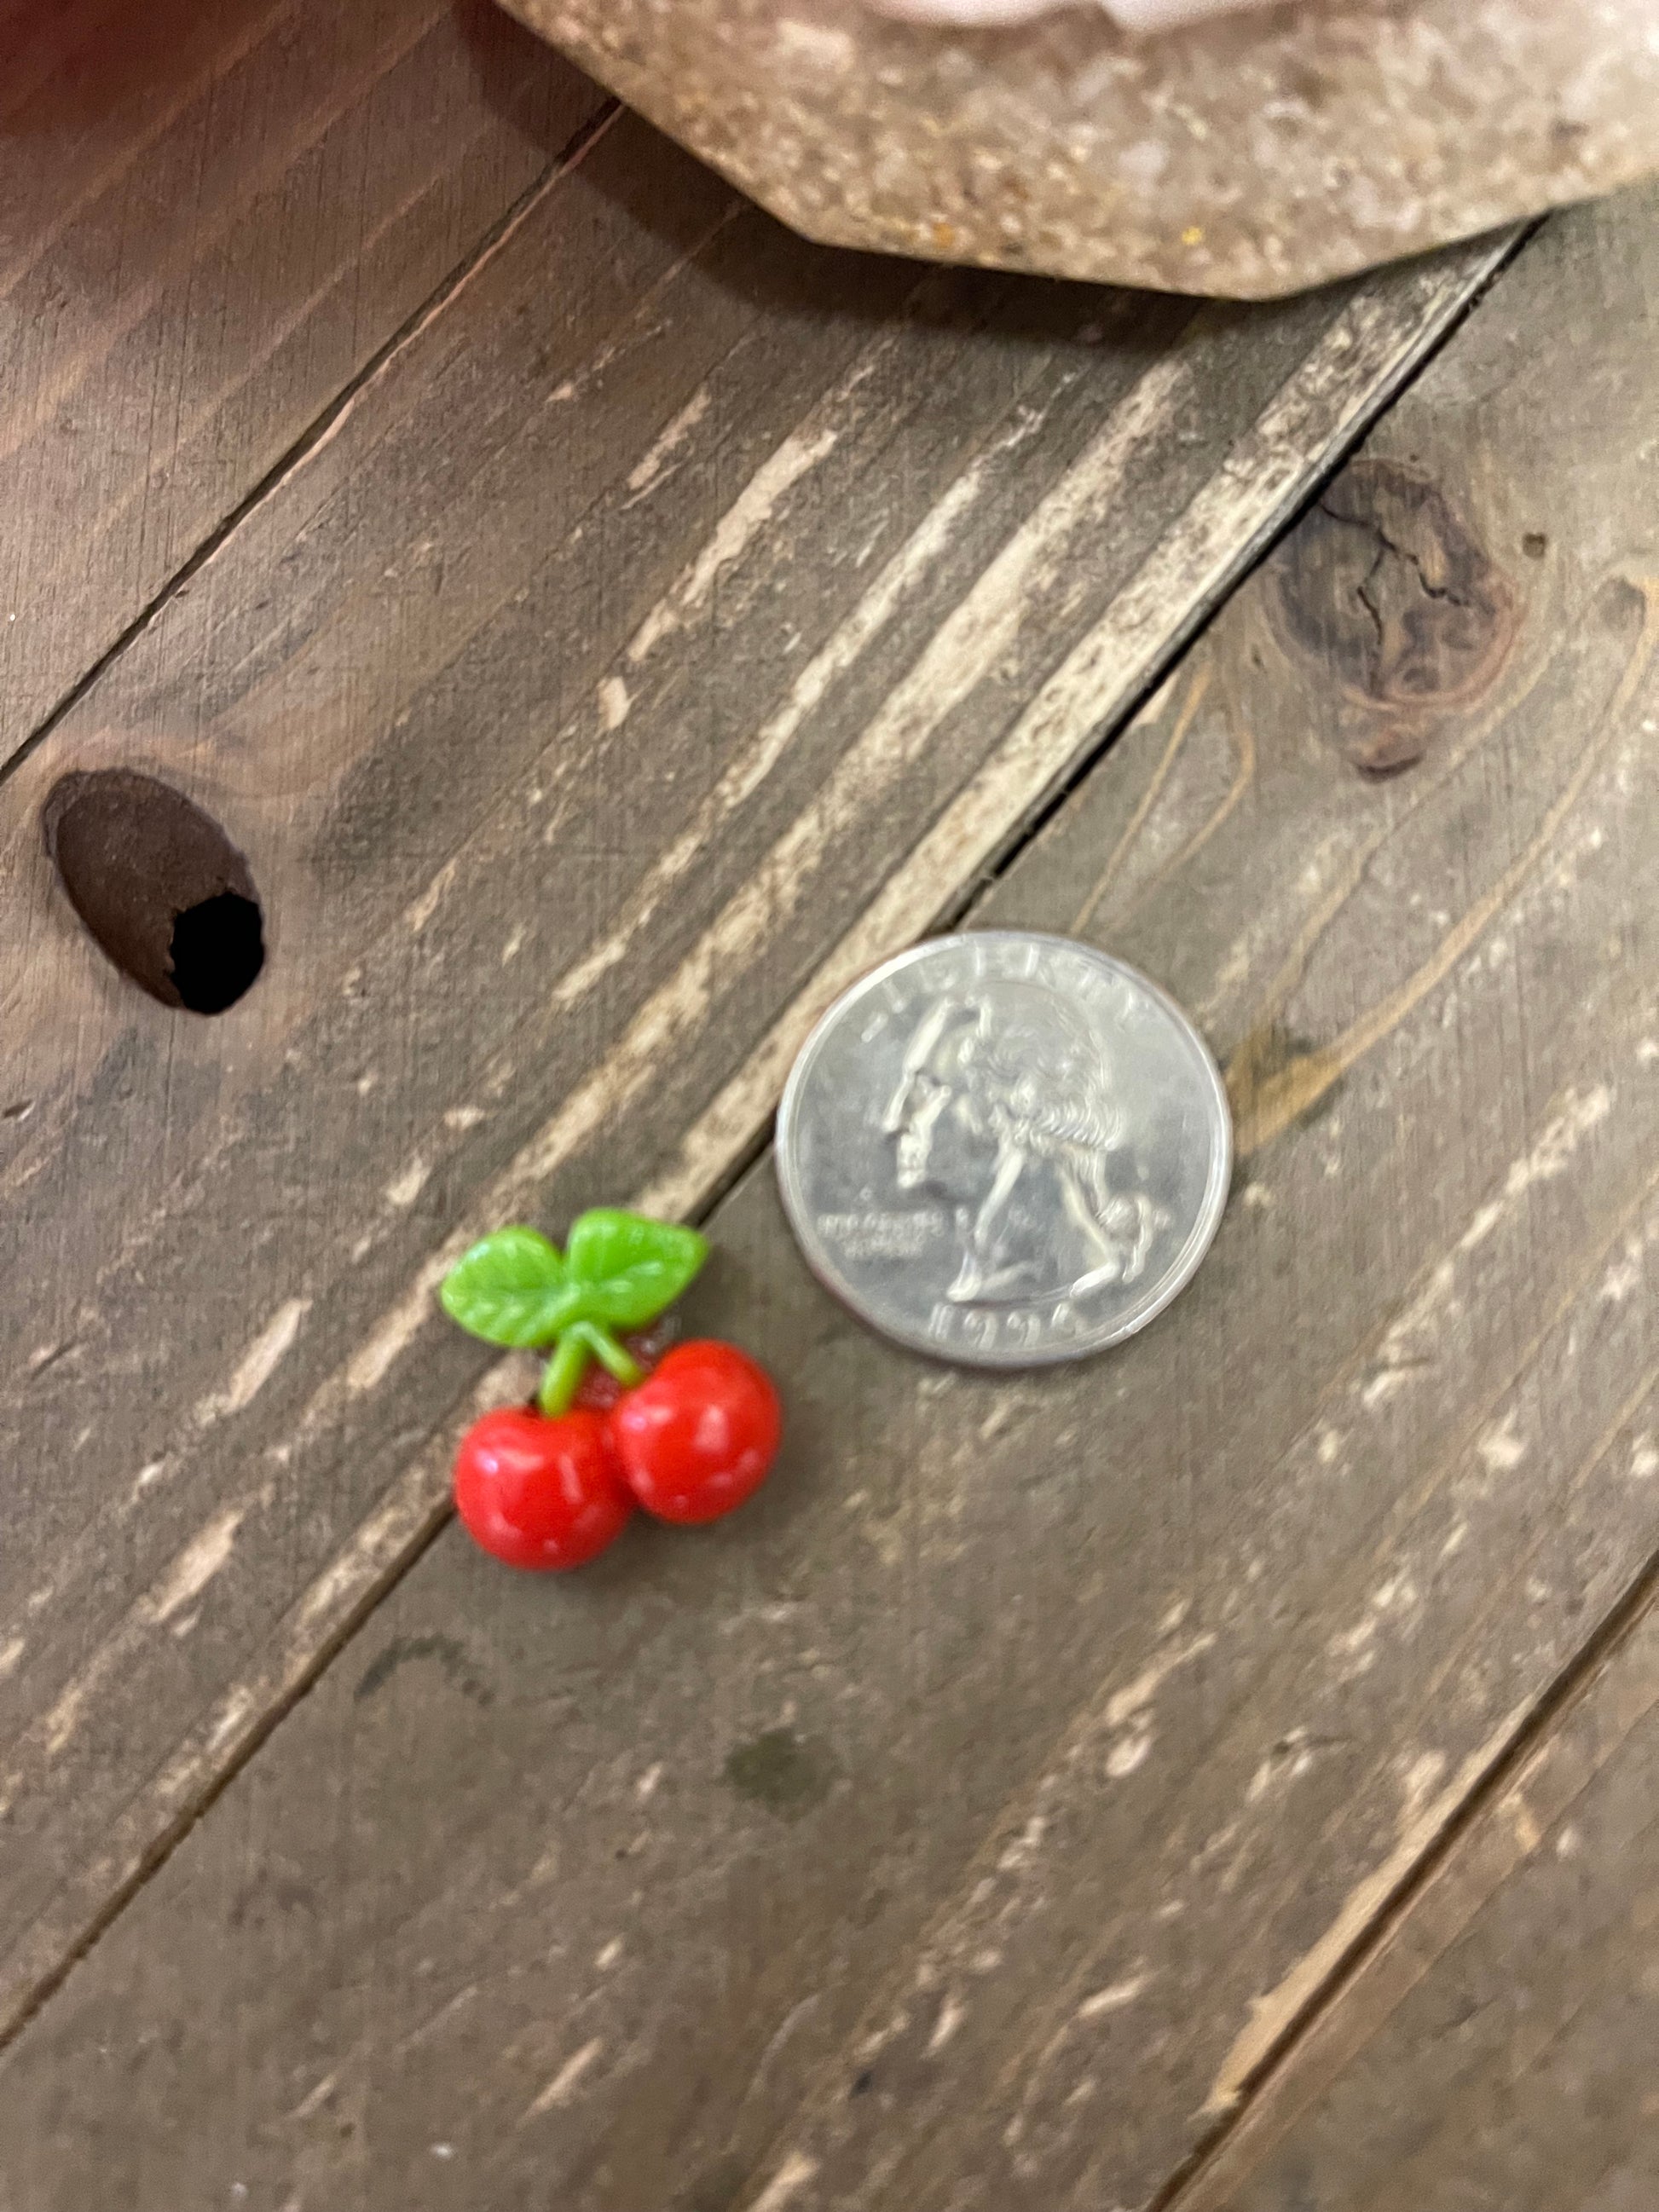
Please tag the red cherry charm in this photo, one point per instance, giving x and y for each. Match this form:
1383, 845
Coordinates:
699, 1434
539, 1493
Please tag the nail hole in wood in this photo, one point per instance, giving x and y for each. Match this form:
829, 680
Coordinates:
160, 888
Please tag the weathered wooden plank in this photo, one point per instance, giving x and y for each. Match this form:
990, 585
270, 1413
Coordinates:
1496, 2048
211, 221
1400, 1473
810, 534
966, 1823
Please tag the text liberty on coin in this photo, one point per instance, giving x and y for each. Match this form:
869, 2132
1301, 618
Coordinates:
1004, 1148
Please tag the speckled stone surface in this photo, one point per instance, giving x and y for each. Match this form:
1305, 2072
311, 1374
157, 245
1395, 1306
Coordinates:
1250, 156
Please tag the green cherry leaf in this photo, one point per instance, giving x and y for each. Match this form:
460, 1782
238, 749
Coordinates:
511, 1289
623, 1269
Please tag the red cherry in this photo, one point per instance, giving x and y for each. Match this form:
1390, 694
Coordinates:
699, 1434
537, 1493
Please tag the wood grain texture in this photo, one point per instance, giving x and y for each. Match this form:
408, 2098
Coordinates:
967, 1823
579, 703
1496, 2048
211, 219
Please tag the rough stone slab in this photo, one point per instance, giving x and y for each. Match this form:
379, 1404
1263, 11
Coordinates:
1249, 156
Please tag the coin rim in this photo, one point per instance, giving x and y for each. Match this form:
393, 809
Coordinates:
1198, 1241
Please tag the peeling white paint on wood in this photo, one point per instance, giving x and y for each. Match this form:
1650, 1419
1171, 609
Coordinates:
406, 1185
650, 471
202, 1558
744, 520
951, 2013
1134, 1697
563, 2086
786, 2185
258, 1363
1115, 1997
1128, 1754
1500, 1449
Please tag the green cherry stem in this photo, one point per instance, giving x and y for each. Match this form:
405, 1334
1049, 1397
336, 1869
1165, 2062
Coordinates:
618, 1272
582, 1341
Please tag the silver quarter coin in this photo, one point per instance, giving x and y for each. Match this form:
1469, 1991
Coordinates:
1004, 1149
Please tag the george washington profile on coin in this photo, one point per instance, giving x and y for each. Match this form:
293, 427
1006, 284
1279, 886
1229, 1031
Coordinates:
1005, 1107
1003, 1148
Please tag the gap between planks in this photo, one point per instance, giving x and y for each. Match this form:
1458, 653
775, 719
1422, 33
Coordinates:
322, 427
1194, 2186
1290, 455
